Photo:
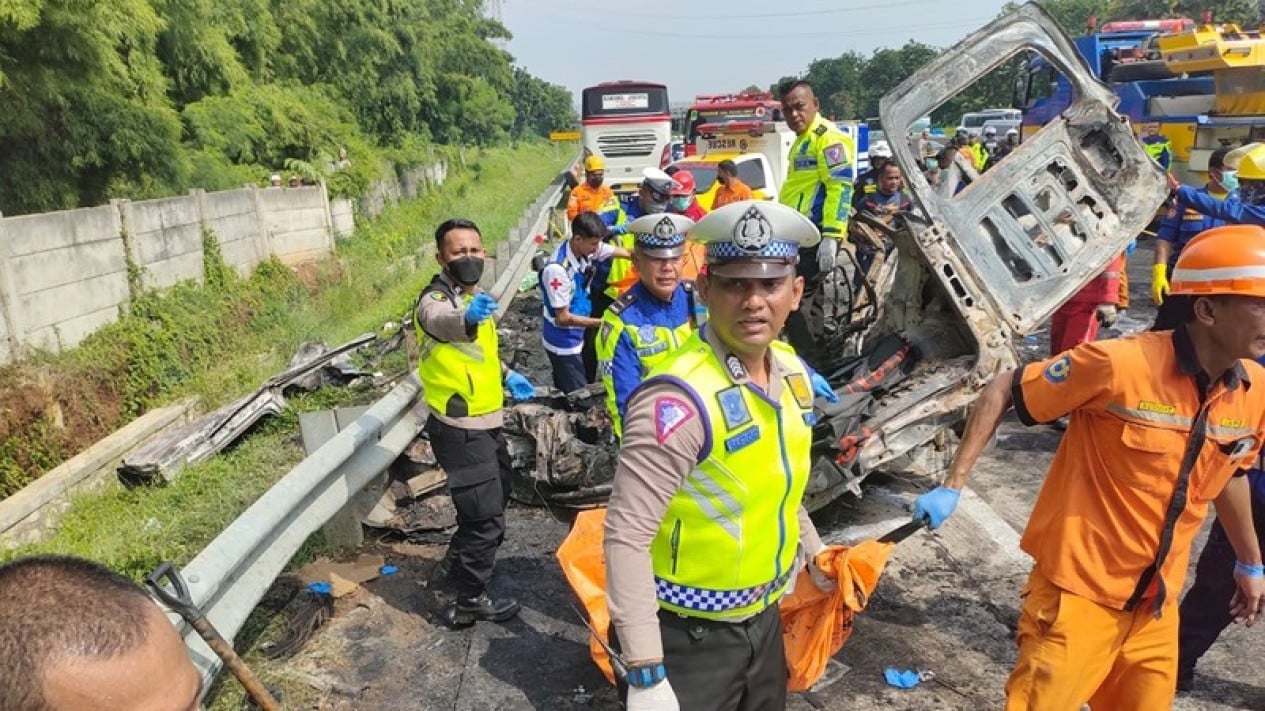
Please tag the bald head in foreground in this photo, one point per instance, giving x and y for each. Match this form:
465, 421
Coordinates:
76, 635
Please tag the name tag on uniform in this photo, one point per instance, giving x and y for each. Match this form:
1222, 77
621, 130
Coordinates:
745, 438
805, 164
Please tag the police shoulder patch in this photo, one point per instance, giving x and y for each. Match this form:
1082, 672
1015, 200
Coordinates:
438, 296
604, 334
835, 155
670, 414
623, 302
1058, 369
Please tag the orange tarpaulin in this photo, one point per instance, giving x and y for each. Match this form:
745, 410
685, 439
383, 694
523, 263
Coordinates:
815, 624
584, 563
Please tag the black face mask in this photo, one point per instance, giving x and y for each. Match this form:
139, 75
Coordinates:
467, 271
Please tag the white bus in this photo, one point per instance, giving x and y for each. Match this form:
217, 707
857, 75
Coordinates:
628, 124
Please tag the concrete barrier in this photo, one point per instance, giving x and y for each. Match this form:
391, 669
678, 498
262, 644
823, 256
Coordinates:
31, 513
65, 274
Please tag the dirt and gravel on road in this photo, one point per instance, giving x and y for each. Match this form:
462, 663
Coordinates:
947, 604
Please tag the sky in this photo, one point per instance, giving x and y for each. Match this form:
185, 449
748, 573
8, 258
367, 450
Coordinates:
712, 48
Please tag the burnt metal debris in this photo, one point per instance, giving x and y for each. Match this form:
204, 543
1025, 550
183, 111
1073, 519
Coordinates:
163, 459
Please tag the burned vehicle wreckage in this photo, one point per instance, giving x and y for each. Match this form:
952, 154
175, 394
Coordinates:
980, 260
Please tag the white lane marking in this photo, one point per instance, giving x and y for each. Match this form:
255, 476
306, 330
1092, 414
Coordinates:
852, 535
1006, 537
971, 504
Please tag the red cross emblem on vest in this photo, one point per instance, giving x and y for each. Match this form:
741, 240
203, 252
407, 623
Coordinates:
556, 283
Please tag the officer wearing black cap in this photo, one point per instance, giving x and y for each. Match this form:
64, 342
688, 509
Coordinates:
705, 527
653, 317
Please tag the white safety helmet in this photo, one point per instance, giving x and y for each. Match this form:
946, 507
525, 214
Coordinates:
880, 149
990, 130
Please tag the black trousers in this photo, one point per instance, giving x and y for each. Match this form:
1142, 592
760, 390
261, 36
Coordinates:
806, 326
1205, 611
723, 666
568, 372
479, 478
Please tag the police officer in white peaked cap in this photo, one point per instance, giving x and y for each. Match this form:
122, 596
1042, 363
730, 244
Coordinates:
705, 527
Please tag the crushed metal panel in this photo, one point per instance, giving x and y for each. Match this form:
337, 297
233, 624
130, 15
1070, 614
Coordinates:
164, 458
1032, 230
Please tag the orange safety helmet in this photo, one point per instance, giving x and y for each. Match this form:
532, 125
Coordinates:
684, 183
1223, 260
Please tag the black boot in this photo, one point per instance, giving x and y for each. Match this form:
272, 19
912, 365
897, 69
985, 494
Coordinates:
468, 610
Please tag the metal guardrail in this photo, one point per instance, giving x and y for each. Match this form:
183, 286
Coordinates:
229, 577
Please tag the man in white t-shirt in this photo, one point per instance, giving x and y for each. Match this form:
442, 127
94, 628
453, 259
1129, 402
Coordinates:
564, 286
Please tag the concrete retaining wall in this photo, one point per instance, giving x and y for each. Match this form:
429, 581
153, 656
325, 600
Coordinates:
64, 274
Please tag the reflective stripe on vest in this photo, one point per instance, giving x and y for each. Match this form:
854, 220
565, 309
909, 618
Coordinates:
459, 379
727, 543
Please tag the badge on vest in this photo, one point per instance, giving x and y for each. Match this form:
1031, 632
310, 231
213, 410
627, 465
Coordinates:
745, 438
734, 407
647, 334
736, 369
438, 296
670, 414
798, 384
605, 334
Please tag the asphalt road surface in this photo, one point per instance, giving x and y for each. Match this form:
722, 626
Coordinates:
947, 604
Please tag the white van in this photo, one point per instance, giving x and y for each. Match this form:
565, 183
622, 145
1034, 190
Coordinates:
973, 121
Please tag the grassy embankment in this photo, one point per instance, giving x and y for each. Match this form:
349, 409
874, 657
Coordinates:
222, 340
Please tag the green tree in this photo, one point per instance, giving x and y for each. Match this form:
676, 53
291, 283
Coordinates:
85, 104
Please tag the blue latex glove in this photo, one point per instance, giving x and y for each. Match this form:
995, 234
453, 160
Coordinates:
520, 387
481, 308
619, 229
936, 505
907, 679
822, 389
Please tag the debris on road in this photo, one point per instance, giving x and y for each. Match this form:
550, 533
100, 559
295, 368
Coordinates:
163, 459
343, 578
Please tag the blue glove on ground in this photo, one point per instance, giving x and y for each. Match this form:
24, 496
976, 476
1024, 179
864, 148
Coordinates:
619, 229
907, 679
481, 308
936, 505
520, 387
821, 388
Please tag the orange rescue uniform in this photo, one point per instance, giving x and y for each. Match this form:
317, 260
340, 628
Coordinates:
736, 191
586, 199
1111, 531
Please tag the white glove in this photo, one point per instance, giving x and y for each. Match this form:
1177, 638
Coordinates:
659, 697
827, 254
1107, 314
